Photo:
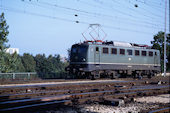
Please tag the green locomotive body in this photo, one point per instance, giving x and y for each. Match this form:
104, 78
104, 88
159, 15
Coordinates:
113, 59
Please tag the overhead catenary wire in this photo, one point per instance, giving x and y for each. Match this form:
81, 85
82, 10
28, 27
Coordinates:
97, 14
87, 12
143, 9
110, 6
106, 4
35, 14
73, 21
130, 22
94, 14
148, 5
141, 21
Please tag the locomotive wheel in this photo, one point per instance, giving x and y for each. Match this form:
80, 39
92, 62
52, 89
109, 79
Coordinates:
92, 77
150, 75
134, 75
137, 76
116, 76
140, 76
111, 77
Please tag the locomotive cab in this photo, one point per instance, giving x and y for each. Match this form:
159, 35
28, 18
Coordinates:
78, 59
78, 53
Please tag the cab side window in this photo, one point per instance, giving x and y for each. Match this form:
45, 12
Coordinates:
97, 49
129, 52
137, 52
143, 53
122, 51
114, 51
105, 50
150, 53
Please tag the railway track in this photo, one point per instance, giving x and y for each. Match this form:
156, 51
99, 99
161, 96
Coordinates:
20, 99
161, 110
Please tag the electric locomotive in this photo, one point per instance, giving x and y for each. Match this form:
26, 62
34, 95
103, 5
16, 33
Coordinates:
96, 59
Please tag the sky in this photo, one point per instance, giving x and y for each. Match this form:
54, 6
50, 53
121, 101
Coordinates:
53, 26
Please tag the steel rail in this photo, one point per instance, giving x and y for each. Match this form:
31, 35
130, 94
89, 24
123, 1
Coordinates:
79, 96
67, 101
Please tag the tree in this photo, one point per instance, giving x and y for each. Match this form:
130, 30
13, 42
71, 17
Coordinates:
5, 63
158, 43
18, 66
28, 62
4, 57
69, 54
3, 33
41, 64
49, 67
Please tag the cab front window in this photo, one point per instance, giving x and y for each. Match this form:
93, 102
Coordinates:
82, 49
74, 50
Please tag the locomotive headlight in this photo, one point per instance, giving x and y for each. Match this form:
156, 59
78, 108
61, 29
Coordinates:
81, 69
84, 59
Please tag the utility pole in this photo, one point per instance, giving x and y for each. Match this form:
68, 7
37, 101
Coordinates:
165, 41
169, 16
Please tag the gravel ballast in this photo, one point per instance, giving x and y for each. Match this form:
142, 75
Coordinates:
139, 105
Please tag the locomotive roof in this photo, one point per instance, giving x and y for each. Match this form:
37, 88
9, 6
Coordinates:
115, 44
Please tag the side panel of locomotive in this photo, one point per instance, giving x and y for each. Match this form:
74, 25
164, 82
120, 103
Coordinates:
107, 57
